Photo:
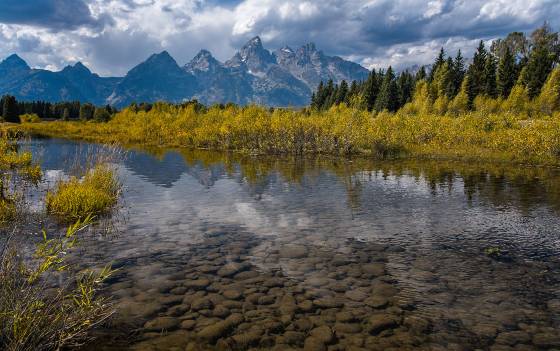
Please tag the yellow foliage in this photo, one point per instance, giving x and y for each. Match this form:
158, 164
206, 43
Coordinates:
30, 118
441, 104
460, 103
517, 101
490, 132
549, 98
486, 104
421, 101
76, 199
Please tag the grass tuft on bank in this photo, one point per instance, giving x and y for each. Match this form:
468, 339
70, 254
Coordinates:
93, 195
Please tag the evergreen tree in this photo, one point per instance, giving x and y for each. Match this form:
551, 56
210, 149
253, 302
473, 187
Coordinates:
440, 60
458, 72
313, 100
388, 94
328, 95
537, 69
46, 110
371, 90
2, 101
490, 88
86, 111
331, 98
101, 115
506, 73
420, 75
405, 87
353, 92
10, 111
476, 71
342, 93
449, 87
318, 97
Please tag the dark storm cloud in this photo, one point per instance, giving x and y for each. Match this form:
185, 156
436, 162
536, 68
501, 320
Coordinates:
372, 32
53, 14
116, 52
369, 30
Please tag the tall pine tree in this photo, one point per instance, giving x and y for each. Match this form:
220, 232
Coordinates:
10, 111
506, 73
490, 88
476, 71
388, 94
371, 90
420, 75
440, 60
342, 93
538, 68
458, 72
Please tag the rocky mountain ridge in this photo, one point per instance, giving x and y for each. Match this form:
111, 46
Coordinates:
285, 77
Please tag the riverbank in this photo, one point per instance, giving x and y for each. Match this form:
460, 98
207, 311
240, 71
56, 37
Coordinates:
342, 130
47, 301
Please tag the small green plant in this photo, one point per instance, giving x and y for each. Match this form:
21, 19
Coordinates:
35, 313
94, 195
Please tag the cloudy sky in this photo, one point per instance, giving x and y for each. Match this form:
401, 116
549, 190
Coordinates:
111, 36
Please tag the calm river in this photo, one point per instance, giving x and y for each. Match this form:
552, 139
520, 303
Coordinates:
221, 251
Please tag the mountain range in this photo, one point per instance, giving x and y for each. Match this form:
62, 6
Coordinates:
285, 77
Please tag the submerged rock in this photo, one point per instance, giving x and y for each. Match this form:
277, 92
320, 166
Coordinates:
202, 303
162, 324
233, 268
197, 284
215, 331
547, 339
323, 333
379, 323
293, 251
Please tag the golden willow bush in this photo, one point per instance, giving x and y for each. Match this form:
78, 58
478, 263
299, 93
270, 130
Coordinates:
515, 129
76, 199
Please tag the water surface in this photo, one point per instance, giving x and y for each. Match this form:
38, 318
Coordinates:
230, 252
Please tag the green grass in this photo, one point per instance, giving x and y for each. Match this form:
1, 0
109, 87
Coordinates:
34, 314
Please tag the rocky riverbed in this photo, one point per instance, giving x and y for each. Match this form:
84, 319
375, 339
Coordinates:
234, 291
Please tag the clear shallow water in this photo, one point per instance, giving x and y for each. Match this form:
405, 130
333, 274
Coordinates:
230, 252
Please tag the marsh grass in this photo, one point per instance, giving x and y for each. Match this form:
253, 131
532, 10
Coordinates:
17, 173
7, 211
486, 134
93, 195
